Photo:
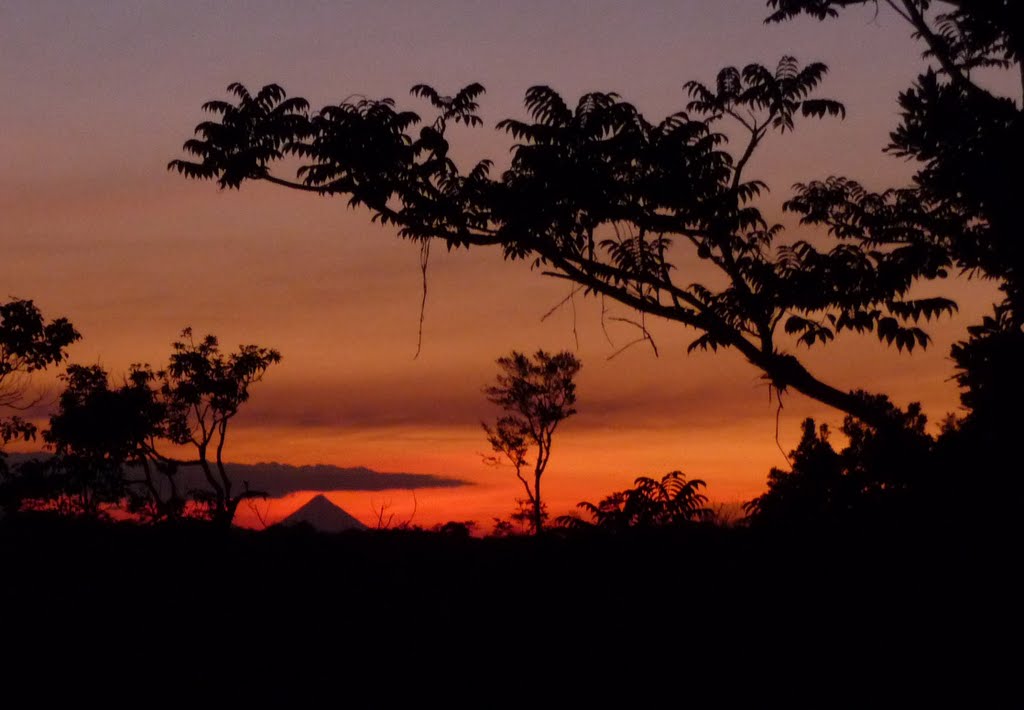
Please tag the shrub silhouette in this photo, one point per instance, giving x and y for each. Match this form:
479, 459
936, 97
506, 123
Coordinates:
671, 502
886, 475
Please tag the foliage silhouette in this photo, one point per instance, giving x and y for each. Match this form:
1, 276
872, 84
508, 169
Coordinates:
537, 393
671, 502
600, 196
992, 383
964, 202
95, 433
203, 389
109, 436
455, 528
520, 521
107, 440
882, 476
815, 490
27, 343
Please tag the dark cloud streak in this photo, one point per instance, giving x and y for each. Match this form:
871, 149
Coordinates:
278, 479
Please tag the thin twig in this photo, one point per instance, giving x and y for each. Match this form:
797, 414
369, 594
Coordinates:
778, 413
626, 347
558, 305
575, 334
424, 261
251, 502
604, 327
646, 335
415, 506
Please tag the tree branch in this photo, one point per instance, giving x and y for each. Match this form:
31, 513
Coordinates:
918, 21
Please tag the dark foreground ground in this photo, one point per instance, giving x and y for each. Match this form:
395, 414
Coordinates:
178, 614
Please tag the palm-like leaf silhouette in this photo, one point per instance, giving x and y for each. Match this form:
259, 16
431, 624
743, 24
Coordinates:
250, 135
670, 502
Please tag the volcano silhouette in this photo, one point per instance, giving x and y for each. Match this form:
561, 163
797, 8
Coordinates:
323, 515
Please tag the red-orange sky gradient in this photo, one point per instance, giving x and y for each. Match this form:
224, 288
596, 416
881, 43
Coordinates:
98, 97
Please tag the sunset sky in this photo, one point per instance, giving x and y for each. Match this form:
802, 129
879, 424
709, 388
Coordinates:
98, 97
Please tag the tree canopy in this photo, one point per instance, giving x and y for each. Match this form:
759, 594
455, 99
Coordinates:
203, 389
601, 196
967, 138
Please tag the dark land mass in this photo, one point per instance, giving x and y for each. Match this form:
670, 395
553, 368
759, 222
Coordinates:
185, 611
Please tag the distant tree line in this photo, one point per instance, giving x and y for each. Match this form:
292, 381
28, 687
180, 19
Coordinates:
109, 439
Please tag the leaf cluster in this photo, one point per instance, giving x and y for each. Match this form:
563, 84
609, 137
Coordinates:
204, 387
539, 392
28, 342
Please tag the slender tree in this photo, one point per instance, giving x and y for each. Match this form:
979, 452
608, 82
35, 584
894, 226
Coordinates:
537, 393
203, 389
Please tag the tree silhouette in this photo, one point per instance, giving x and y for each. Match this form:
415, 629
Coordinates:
600, 196
992, 387
814, 491
107, 435
96, 432
107, 440
671, 502
964, 201
882, 475
27, 343
203, 389
538, 393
